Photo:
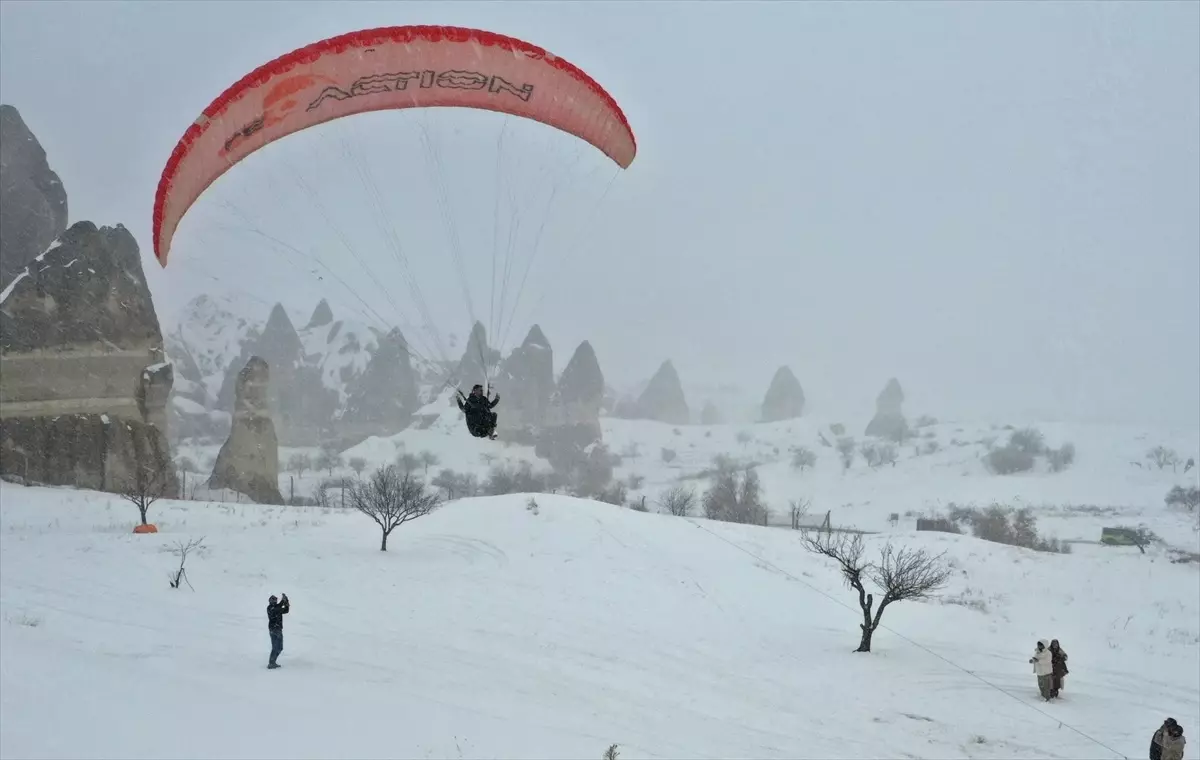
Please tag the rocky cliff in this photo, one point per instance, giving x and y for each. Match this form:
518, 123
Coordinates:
33, 202
85, 382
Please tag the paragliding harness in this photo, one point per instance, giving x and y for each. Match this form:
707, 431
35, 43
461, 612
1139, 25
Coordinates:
481, 420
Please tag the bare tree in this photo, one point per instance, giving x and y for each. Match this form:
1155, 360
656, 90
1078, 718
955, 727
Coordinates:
407, 462
147, 484
1162, 457
428, 459
845, 447
803, 458
736, 499
182, 550
328, 460
1188, 497
358, 464
299, 464
798, 509
391, 498
902, 575
678, 501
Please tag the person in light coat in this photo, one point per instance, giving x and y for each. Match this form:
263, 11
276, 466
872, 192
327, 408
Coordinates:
1156, 741
1043, 668
1172, 743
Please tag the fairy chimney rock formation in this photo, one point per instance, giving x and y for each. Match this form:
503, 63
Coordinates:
321, 316
573, 416
249, 461
663, 399
382, 399
889, 419
526, 378
784, 399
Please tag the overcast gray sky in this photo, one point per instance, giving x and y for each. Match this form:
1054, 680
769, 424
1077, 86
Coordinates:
997, 203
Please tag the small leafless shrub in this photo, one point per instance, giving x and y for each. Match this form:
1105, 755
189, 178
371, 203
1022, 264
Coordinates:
611, 753
803, 458
1008, 460
182, 549
505, 479
615, 493
639, 505
678, 501
1061, 458
901, 575
1028, 440
391, 498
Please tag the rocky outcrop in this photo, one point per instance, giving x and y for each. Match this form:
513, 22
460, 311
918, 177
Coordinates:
478, 361
33, 201
889, 421
321, 316
249, 461
526, 379
573, 415
381, 400
663, 399
85, 381
784, 399
301, 405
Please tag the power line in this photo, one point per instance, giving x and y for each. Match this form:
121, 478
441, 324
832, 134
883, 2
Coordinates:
923, 648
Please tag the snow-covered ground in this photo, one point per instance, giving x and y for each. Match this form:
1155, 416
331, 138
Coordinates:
490, 629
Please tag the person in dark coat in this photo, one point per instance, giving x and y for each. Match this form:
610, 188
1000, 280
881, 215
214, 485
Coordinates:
1156, 741
276, 609
1058, 661
481, 420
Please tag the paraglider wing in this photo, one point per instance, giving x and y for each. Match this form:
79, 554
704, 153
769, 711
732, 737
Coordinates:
378, 69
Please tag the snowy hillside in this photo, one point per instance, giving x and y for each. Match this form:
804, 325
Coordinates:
492, 629
1111, 483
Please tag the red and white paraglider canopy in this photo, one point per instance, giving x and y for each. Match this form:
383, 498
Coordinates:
378, 69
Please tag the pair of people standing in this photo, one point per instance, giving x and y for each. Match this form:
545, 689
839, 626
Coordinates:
1050, 666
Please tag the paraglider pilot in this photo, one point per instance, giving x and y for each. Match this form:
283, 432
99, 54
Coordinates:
481, 420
